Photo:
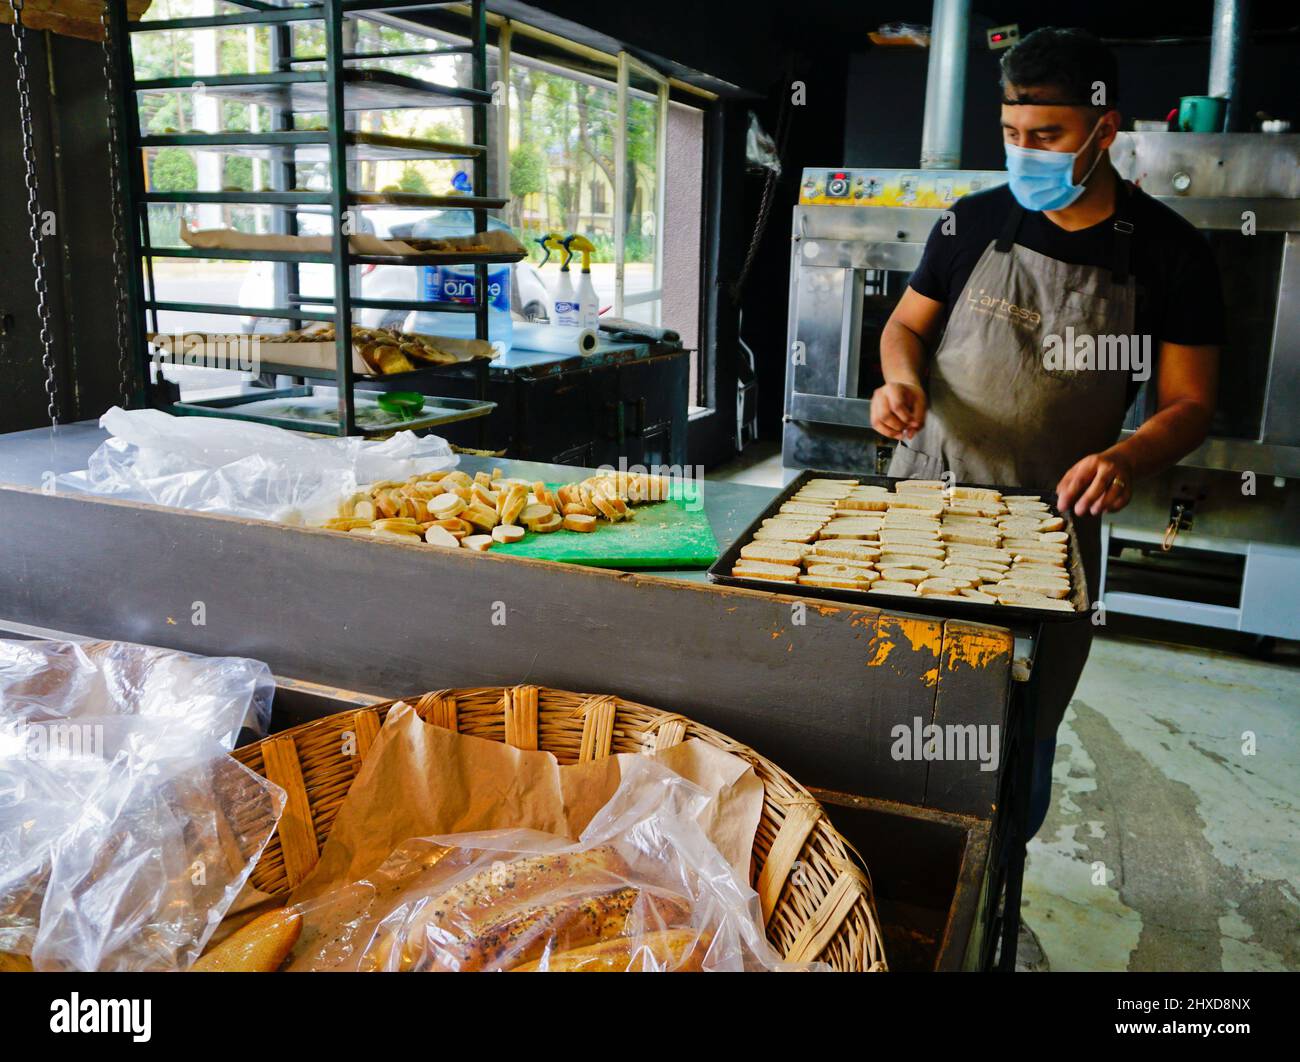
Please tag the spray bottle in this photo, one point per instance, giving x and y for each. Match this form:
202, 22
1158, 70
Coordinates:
588, 303
565, 305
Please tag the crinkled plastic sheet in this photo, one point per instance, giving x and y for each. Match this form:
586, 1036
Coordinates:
253, 470
643, 889
126, 830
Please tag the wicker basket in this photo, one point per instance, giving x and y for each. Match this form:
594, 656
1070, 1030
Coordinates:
816, 899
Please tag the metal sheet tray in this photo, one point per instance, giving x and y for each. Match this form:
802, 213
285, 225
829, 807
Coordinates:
720, 572
302, 409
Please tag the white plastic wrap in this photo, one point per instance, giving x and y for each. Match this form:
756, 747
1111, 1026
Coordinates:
644, 889
242, 469
126, 830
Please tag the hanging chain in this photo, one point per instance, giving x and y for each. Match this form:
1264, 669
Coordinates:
125, 382
33, 207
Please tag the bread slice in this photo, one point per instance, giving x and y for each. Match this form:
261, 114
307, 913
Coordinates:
792, 520
978, 494
837, 571
861, 505
787, 534
850, 527
920, 564
919, 484
974, 508
901, 589
781, 573
1029, 599
912, 549
908, 534
979, 597
963, 576
968, 549
910, 518
773, 552
1046, 587
971, 536
919, 500
915, 576
848, 548
792, 508
939, 585
833, 582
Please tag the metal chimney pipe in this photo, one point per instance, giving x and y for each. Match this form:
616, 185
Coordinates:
945, 85
1227, 56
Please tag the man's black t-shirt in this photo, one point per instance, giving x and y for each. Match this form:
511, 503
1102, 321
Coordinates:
1179, 298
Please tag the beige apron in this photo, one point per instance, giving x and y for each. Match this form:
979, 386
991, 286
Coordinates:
1000, 414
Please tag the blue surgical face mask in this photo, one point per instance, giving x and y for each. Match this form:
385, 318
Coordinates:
1044, 180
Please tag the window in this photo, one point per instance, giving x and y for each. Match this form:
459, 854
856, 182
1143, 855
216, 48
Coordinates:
593, 148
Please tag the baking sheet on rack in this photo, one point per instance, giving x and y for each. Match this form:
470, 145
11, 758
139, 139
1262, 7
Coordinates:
720, 571
491, 242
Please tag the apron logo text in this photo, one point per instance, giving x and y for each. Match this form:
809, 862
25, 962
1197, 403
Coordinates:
982, 302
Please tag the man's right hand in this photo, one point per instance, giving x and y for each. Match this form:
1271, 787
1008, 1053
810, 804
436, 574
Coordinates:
898, 410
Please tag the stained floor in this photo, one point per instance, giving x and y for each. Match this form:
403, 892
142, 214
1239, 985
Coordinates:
1173, 842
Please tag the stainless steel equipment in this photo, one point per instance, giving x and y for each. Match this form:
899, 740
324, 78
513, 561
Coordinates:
858, 234
1231, 509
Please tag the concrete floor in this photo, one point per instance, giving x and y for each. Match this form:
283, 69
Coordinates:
1173, 841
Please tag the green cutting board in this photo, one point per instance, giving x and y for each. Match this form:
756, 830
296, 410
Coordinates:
669, 534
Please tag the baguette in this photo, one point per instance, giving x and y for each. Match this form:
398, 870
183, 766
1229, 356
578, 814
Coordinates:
576, 922
477, 900
11, 962
259, 947
676, 950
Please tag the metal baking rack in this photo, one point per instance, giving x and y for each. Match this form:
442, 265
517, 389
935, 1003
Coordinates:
331, 84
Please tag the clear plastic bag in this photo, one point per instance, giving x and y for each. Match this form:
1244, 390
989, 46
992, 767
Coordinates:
242, 469
125, 828
643, 889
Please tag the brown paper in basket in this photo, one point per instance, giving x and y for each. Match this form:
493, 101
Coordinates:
421, 780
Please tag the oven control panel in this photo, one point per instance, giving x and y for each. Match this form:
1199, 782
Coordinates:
895, 188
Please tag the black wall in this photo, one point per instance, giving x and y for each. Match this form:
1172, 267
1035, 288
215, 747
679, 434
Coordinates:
71, 143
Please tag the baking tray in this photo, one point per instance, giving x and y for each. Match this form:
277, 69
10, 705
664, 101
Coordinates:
720, 572
314, 409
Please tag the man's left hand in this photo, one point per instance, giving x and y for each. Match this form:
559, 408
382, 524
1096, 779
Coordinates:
1100, 483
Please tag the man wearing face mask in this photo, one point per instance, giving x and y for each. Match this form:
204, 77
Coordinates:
1064, 245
